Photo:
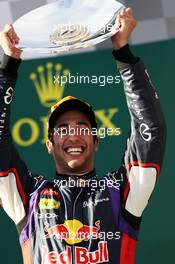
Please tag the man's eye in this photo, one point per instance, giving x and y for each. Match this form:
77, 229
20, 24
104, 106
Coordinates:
61, 130
84, 130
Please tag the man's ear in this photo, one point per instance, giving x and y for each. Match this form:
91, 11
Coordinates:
96, 143
49, 146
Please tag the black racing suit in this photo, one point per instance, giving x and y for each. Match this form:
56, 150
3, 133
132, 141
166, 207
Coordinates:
97, 220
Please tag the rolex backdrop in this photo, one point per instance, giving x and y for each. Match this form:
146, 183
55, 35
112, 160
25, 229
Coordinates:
93, 78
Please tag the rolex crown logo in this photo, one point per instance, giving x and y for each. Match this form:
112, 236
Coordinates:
49, 92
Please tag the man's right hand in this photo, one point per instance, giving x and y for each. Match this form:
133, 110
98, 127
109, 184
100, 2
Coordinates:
8, 42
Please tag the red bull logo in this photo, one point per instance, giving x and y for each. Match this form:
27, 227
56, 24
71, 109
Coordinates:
72, 231
82, 255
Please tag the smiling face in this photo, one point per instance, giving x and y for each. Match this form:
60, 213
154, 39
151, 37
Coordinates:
73, 146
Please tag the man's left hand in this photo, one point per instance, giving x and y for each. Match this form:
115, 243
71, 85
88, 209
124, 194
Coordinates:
125, 24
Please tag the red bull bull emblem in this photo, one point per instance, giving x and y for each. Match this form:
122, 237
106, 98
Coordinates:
82, 255
72, 231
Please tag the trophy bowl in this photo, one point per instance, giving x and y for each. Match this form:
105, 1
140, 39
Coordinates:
67, 25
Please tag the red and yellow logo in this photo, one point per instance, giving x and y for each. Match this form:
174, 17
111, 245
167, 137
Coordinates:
73, 231
49, 200
48, 203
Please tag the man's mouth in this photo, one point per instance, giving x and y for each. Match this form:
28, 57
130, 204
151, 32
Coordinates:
74, 150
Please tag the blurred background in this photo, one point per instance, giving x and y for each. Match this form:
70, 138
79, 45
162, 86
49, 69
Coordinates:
153, 41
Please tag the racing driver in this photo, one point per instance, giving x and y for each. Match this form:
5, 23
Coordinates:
90, 222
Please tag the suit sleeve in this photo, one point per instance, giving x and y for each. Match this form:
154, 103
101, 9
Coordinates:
146, 143
16, 181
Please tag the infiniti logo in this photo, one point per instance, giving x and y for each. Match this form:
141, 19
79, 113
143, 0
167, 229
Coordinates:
145, 132
8, 95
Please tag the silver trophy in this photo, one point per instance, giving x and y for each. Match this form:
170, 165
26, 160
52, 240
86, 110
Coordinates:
67, 25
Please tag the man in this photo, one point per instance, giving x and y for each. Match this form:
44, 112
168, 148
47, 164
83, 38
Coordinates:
77, 218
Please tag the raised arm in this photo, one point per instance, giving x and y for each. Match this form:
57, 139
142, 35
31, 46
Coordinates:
16, 181
145, 146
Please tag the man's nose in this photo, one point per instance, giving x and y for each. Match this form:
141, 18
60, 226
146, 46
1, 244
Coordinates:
74, 132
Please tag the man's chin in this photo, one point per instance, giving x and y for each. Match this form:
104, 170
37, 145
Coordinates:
75, 164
